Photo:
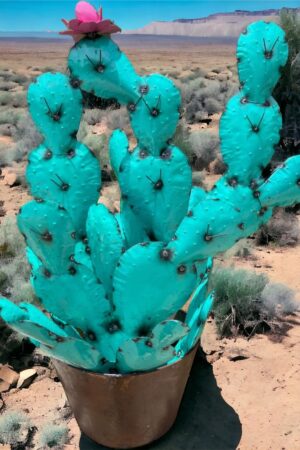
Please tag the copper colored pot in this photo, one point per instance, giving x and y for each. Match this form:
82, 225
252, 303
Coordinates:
126, 411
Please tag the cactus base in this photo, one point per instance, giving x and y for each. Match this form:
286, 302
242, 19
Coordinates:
126, 411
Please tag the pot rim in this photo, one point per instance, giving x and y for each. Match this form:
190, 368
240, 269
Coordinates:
127, 375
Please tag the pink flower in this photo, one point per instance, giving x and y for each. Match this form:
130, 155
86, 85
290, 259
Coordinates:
88, 21
87, 13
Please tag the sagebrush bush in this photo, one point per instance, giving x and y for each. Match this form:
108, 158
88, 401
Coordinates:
283, 229
98, 144
14, 268
237, 299
94, 116
245, 302
204, 148
7, 129
54, 436
8, 154
14, 426
7, 85
11, 116
5, 98
278, 299
19, 100
118, 118
181, 140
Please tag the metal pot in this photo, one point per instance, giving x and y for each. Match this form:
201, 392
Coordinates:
126, 411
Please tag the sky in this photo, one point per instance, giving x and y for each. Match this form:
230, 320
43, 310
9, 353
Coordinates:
45, 15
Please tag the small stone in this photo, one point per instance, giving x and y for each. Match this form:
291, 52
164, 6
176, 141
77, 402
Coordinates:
26, 378
237, 357
9, 177
9, 376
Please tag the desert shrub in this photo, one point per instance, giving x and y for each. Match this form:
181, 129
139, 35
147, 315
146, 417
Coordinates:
246, 303
8, 154
7, 85
118, 119
283, 230
14, 426
204, 147
18, 78
6, 129
94, 116
54, 436
237, 299
181, 140
98, 144
10, 116
14, 268
203, 97
198, 178
278, 299
218, 166
5, 98
212, 106
242, 249
19, 100
26, 137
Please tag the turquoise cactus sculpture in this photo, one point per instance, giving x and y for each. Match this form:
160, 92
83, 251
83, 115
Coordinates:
112, 283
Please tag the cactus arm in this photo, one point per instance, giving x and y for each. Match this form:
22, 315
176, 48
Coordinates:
148, 353
168, 332
56, 109
197, 195
118, 149
50, 234
248, 135
105, 242
217, 223
29, 321
131, 228
67, 295
98, 66
155, 116
149, 184
283, 186
163, 287
261, 51
81, 255
65, 181
196, 324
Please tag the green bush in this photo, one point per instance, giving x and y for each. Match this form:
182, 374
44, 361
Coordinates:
204, 148
283, 230
237, 299
118, 118
98, 144
54, 436
8, 154
94, 116
14, 426
278, 299
10, 116
5, 98
14, 268
246, 303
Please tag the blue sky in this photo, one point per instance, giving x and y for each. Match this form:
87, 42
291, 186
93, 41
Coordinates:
45, 15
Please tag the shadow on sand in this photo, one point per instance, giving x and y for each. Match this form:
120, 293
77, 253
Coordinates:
205, 421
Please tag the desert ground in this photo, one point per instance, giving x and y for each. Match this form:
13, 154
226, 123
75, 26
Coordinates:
244, 393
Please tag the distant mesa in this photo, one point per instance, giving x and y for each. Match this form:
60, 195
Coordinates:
215, 25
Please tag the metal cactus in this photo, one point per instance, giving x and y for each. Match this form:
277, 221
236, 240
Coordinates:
113, 283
